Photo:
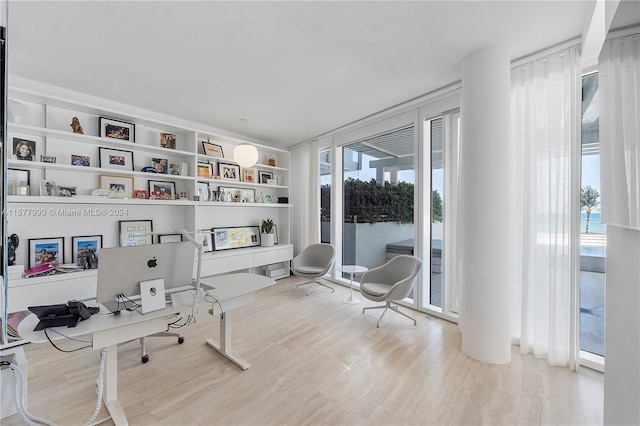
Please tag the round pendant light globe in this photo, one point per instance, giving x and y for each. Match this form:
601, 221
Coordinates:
245, 155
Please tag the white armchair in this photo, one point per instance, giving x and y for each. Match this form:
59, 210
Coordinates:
314, 261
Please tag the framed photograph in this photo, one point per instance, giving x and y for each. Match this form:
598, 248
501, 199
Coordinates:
240, 195
48, 159
169, 238
204, 170
47, 188
24, 149
85, 251
162, 190
204, 238
66, 191
80, 160
202, 189
249, 175
136, 232
116, 129
264, 176
229, 171
212, 149
45, 250
168, 140
174, 169
161, 165
122, 186
235, 237
117, 159
17, 178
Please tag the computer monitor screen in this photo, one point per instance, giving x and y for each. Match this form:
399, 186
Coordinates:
121, 269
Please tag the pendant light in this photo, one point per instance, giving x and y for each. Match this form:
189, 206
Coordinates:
246, 155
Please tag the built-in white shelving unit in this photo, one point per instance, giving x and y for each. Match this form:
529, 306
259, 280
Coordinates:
44, 119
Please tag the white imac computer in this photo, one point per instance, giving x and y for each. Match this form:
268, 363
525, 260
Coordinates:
121, 269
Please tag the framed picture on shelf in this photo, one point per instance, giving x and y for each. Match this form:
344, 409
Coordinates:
24, 149
204, 238
240, 195
136, 232
47, 188
47, 159
235, 237
122, 186
162, 190
264, 176
85, 251
205, 170
212, 149
17, 178
168, 140
174, 169
116, 129
169, 238
45, 250
80, 160
249, 175
229, 171
202, 189
141, 194
161, 165
66, 191
116, 159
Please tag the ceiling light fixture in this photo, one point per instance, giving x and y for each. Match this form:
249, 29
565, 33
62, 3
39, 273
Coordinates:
246, 155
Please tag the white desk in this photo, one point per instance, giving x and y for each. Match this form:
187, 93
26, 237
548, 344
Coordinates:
232, 291
108, 331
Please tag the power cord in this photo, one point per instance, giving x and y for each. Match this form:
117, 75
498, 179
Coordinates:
63, 350
212, 298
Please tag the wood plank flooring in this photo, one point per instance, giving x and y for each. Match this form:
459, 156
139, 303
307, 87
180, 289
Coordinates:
314, 361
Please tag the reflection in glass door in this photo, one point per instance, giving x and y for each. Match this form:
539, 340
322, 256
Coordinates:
325, 196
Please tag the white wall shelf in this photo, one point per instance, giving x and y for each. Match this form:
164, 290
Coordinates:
46, 122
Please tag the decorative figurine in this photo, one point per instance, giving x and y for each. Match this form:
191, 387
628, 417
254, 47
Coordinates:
12, 244
75, 125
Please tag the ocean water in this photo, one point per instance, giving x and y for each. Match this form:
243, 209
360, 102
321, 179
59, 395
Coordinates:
595, 227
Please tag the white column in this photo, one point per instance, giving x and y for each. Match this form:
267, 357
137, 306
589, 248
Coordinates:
486, 207
622, 327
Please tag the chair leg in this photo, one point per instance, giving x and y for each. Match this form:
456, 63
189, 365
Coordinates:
312, 283
393, 308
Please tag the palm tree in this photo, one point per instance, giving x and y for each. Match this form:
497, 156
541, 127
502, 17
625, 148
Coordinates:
588, 200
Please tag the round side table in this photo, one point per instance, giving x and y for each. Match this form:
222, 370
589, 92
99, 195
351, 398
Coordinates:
352, 270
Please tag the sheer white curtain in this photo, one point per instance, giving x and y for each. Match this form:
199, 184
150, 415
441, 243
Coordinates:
545, 108
619, 85
305, 195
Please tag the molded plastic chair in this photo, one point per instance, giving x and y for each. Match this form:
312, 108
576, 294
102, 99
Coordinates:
314, 261
391, 281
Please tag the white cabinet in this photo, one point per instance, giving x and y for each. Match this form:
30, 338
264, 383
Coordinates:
86, 162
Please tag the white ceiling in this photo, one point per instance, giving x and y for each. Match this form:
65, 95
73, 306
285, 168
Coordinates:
296, 69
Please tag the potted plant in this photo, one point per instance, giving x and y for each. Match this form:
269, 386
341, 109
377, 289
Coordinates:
267, 228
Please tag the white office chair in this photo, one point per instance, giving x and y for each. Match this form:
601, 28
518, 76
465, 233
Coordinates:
391, 281
314, 261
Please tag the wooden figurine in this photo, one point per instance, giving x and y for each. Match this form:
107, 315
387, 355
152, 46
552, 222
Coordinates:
75, 125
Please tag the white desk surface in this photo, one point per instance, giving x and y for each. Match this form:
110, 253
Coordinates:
232, 285
101, 321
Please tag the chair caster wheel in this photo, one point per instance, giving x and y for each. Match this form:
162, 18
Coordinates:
145, 359
180, 340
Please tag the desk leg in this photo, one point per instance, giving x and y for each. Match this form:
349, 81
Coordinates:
224, 347
110, 395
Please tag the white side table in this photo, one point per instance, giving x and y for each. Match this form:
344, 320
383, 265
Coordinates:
352, 270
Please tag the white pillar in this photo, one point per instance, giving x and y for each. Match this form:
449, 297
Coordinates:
486, 207
622, 327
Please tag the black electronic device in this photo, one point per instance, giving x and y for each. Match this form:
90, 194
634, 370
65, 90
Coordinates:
61, 315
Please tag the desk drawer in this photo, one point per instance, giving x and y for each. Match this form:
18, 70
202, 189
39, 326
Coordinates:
275, 255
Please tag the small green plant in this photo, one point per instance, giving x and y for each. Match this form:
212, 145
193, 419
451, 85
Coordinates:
267, 226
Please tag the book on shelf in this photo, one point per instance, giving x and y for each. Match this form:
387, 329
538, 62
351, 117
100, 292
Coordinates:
37, 271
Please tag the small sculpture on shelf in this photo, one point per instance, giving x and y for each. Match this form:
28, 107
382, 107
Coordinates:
75, 125
12, 244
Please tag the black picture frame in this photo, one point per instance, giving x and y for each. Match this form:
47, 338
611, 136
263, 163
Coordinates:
264, 176
229, 172
46, 250
233, 237
117, 129
92, 243
29, 144
212, 149
115, 159
135, 232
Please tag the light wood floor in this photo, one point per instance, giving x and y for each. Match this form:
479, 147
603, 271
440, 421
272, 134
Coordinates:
315, 360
